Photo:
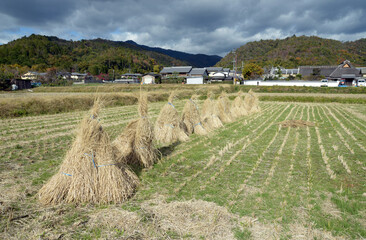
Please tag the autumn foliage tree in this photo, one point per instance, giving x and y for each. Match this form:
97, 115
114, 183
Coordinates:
252, 71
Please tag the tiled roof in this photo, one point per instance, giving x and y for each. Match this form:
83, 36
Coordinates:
180, 69
214, 69
198, 71
324, 70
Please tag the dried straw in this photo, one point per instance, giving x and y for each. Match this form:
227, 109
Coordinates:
89, 173
224, 108
168, 126
135, 145
238, 107
256, 107
251, 102
191, 118
210, 113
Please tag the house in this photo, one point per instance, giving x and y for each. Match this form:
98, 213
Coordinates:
199, 72
64, 75
280, 72
32, 75
129, 78
290, 72
214, 70
345, 71
78, 76
363, 71
175, 72
22, 83
132, 76
197, 76
150, 78
237, 74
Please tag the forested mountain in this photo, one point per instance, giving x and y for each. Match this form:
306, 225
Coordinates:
95, 56
295, 51
196, 60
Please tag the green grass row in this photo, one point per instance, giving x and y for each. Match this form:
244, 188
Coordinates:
52, 105
229, 88
313, 99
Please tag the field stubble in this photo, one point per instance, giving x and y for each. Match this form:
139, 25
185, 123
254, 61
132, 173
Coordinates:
255, 176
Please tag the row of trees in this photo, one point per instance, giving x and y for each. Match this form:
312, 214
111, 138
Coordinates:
39, 53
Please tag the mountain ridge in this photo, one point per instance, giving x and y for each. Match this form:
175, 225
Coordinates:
294, 51
196, 60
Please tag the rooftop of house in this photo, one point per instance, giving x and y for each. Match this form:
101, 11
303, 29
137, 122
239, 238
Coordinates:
180, 69
198, 71
214, 69
152, 74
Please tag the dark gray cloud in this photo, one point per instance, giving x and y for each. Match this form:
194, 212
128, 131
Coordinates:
196, 26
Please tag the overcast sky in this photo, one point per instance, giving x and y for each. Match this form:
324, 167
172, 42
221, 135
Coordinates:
194, 26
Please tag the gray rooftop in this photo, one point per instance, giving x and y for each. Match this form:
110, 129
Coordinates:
198, 71
180, 69
214, 69
348, 75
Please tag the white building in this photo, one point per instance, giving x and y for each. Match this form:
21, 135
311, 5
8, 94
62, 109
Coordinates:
149, 78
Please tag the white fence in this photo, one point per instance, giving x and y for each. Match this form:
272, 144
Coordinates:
298, 83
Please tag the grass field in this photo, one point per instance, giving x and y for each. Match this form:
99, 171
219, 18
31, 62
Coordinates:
253, 178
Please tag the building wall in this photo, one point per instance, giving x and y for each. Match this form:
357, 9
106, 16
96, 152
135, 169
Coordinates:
148, 80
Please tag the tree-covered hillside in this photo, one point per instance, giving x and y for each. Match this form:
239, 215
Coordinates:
39, 53
297, 51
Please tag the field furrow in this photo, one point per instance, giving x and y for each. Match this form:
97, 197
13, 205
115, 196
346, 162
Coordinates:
248, 140
214, 158
244, 184
341, 137
325, 158
346, 129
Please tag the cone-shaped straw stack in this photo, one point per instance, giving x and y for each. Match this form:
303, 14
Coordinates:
251, 102
238, 107
224, 108
88, 173
135, 145
168, 126
209, 113
191, 117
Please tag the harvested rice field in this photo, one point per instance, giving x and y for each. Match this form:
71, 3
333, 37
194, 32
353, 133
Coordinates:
290, 171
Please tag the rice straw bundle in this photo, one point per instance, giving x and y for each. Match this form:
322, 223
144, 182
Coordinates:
238, 108
135, 145
255, 107
89, 173
210, 114
168, 126
251, 102
224, 108
191, 118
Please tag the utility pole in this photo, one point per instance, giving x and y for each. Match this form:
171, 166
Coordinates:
234, 67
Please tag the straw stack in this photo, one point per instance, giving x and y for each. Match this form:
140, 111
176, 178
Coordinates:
168, 126
255, 107
135, 145
251, 102
224, 108
89, 173
210, 113
238, 107
191, 117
